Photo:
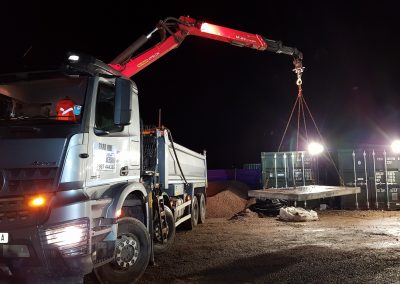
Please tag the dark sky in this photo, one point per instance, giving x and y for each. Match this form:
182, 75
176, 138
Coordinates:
232, 101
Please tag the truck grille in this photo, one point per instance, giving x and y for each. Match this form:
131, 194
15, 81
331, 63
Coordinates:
15, 212
23, 181
12, 210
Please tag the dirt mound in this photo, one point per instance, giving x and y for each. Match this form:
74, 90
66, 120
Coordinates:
227, 199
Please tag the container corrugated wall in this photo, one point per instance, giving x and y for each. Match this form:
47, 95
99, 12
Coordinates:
376, 171
252, 166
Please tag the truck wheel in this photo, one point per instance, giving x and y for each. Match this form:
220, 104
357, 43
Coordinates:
192, 222
162, 247
131, 256
202, 209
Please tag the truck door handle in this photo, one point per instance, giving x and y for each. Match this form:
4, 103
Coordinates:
124, 171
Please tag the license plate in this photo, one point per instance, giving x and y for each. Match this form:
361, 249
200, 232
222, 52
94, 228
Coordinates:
3, 238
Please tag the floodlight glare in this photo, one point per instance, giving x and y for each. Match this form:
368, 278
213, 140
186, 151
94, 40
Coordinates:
396, 146
315, 148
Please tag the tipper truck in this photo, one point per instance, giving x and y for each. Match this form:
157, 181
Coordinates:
85, 188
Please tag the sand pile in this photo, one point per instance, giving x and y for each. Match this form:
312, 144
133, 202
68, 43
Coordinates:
226, 198
215, 187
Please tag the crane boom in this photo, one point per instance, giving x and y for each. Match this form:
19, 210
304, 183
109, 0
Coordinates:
179, 29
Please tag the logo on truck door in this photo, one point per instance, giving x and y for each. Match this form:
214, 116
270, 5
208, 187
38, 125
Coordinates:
104, 157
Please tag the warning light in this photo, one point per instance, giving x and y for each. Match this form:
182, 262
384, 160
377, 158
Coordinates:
37, 201
210, 29
118, 213
73, 58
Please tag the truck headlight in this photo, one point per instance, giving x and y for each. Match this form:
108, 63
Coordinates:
71, 238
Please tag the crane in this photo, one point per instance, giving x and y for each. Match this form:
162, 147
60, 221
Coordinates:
175, 30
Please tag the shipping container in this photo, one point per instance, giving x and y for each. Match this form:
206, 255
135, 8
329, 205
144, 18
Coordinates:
252, 166
376, 171
288, 169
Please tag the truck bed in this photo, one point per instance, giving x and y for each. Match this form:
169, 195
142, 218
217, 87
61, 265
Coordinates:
159, 157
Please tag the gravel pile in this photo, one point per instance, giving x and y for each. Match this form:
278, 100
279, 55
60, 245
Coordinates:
226, 198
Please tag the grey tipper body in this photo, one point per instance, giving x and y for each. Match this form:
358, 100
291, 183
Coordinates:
94, 171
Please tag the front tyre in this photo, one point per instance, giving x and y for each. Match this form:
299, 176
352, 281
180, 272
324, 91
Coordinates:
131, 256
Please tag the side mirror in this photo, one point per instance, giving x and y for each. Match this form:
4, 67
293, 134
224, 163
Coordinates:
122, 106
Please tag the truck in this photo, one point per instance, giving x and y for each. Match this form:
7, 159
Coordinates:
85, 187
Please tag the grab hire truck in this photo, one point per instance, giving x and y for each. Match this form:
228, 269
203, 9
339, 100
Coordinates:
85, 188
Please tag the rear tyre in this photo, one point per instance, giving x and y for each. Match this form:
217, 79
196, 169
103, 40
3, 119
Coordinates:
131, 256
202, 209
163, 247
192, 222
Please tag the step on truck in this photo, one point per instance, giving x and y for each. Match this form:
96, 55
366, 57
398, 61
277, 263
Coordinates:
85, 189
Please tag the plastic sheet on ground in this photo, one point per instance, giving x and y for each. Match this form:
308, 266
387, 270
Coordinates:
297, 214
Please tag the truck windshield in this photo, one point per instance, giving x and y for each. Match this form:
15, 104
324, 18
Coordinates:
59, 99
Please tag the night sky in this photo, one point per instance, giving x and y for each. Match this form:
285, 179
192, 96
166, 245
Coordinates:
235, 102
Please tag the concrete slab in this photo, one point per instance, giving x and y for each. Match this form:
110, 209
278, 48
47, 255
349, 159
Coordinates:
302, 193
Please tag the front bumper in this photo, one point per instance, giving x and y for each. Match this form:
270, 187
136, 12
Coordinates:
27, 253
63, 242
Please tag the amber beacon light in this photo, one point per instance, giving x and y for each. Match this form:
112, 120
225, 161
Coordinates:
37, 201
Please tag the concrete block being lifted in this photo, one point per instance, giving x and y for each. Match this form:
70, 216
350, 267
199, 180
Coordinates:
302, 193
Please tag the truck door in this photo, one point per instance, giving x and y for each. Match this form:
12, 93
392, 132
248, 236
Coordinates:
108, 145
134, 137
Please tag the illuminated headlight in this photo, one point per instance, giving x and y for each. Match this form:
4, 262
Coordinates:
71, 238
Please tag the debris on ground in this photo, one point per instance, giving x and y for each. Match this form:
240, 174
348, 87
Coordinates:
268, 207
226, 198
297, 214
243, 215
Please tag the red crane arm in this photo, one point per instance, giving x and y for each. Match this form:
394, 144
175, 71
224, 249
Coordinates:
184, 26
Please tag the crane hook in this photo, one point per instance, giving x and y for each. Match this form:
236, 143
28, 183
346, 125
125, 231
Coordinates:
298, 69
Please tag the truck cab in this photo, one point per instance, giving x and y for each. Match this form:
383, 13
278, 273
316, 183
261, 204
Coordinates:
83, 187
70, 159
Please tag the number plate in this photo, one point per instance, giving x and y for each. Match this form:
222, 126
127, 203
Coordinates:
3, 238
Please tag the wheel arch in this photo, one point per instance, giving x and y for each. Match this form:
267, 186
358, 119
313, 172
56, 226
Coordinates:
127, 195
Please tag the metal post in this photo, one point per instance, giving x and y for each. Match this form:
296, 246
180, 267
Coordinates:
294, 178
316, 174
355, 177
366, 177
276, 174
304, 179
302, 168
376, 190
386, 181
284, 162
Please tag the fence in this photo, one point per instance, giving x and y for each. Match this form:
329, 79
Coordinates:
250, 177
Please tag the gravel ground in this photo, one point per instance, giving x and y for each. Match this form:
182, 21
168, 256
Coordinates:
342, 247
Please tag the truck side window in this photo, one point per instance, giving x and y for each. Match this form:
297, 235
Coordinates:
105, 109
